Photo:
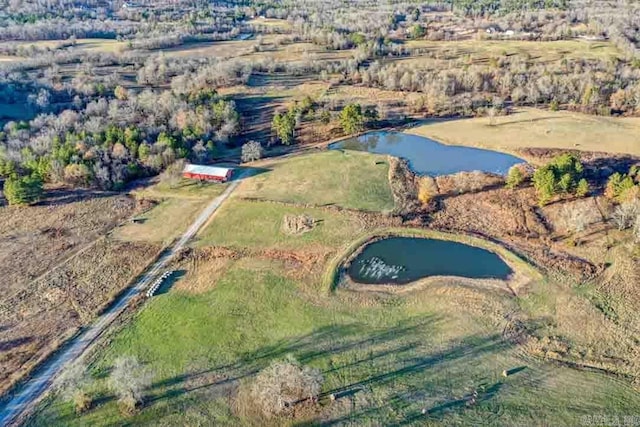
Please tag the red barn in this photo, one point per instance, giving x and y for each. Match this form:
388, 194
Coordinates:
207, 173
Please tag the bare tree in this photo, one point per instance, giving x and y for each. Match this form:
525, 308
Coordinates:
251, 151
72, 385
625, 214
171, 176
128, 380
283, 384
574, 219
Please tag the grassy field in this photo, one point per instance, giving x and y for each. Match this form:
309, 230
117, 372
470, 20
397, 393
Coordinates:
85, 45
183, 189
177, 207
538, 128
346, 179
258, 225
247, 293
397, 356
221, 49
163, 223
270, 22
60, 270
39, 317
482, 50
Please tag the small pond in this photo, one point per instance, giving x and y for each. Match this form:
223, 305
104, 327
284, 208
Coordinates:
429, 157
401, 260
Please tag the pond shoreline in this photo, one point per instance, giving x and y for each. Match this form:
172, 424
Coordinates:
426, 156
337, 276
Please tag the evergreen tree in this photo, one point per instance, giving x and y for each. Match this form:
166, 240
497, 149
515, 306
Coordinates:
352, 119
22, 190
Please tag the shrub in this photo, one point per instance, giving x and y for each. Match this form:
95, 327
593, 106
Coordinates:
325, 117
173, 173
77, 174
583, 188
284, 126
283, 384
427, 189
251, 151
129, 378
574, 219
544, 182
8, 167
23, 190
515, 177
617, 186
625, 215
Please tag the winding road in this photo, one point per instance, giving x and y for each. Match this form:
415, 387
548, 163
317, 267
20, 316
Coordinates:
29, 392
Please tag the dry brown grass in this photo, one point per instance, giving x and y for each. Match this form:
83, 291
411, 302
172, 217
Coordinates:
40, 316
479, 51
34, 239
217, 49
202, 276
529, 127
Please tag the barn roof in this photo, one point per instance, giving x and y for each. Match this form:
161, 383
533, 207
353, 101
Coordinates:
206, 170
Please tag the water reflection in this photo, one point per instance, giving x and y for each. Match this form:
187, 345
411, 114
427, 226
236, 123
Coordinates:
429, 157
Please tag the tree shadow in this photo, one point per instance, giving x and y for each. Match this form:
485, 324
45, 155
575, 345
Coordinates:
64, 196
393, 358
330, 340
11, 344
472, 349
244, 172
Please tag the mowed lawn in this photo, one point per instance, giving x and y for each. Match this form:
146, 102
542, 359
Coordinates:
529, 127
248, 224
347, 179
392, 356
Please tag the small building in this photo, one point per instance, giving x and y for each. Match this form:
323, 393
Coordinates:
207, 173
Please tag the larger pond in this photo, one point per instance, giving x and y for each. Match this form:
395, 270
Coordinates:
400, 260
429, 157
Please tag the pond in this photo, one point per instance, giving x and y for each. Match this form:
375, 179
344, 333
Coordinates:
400, 260
429, 157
